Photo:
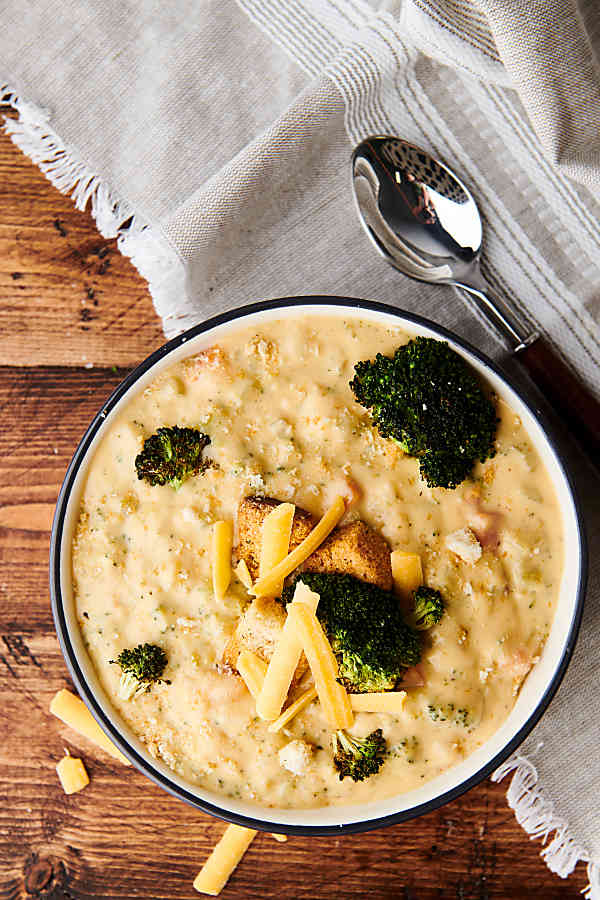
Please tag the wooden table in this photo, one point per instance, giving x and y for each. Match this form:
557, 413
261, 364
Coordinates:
74, 317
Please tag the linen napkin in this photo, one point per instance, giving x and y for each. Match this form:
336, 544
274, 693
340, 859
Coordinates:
214, 140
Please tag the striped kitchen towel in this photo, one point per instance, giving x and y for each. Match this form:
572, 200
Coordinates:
214, 139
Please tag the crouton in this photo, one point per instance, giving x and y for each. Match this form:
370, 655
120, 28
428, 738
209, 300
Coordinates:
251, 514
258, 630
354, 549
260, 627
231, 652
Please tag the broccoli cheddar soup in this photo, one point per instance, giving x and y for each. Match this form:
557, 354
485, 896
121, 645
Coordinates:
427, 552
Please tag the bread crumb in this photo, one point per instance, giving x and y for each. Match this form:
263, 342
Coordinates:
464, 543
266, 351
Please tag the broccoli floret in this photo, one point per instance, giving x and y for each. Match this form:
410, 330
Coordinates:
372, 643
141, 667
358, 758
172, 455
428, 399
428, 608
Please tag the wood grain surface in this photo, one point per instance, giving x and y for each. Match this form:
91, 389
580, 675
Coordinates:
67, 299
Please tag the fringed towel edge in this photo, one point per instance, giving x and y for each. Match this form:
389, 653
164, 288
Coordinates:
149, 251
536, 815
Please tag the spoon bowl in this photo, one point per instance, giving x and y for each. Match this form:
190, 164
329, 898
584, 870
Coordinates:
425, 222
418, 214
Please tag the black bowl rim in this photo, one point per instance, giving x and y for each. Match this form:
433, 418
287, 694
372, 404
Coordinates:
69, 652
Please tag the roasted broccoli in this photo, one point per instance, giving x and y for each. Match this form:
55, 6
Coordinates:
172, 455
428, 399
428, 608
358, 757
141, 667
368, 635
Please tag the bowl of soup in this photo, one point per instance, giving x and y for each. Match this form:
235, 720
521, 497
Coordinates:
132, 564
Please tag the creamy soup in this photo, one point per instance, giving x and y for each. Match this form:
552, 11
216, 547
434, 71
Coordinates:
283, 423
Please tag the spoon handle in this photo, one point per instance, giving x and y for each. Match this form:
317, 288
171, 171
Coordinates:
510, 322
569, 398
565, 393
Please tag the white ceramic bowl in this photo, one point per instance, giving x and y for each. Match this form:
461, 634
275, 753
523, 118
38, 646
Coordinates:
536, 692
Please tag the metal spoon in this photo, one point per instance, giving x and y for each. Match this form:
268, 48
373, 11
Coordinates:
425, 223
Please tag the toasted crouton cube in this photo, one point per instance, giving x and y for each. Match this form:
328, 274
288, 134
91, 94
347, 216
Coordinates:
231, 651
258, 630
354, 549
260, 627
252, 512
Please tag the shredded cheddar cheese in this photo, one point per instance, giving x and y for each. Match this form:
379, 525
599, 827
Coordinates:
284, 661
72, 774
407, 572
293, 709
222, 540
74, 713
252, 669
218, 868
241, 570
323, 665
275, 544
267, 584
384, 702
